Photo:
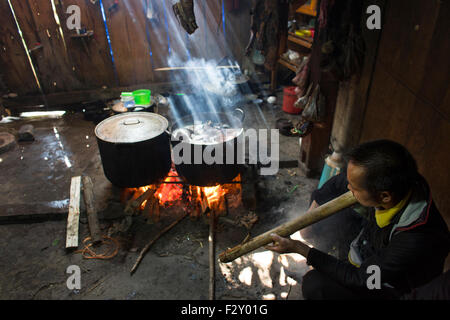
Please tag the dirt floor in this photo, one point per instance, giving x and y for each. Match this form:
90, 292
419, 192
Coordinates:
34, 197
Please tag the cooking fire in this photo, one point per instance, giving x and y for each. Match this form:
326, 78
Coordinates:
172, 191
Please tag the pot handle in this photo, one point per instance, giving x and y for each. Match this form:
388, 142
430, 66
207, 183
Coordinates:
169, 127
129, 122
242, 114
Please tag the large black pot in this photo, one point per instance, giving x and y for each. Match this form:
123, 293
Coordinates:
202, 173
134, 148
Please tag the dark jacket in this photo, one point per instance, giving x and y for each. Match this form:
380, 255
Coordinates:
410, 251
438, 289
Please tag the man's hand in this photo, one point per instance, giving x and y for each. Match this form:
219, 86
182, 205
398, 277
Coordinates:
286, 245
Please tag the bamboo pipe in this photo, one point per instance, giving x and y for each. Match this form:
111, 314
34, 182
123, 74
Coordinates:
288, 228
194, 68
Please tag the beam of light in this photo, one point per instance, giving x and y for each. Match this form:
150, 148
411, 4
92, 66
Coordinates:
66, 158
147, 32
263, 260
27, 51
102, 9
187, 47
55, 15
50, 114
245, 276
224, 21
167, 28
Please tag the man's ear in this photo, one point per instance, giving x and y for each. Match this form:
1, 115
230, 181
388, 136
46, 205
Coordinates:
385, 197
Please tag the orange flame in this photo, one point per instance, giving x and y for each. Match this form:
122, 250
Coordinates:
170, 192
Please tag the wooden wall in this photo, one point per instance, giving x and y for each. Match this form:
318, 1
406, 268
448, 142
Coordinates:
409, 98
67, 64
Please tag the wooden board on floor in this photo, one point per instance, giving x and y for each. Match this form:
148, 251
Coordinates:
74, 213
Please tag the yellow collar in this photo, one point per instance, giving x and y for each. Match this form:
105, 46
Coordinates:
384, 217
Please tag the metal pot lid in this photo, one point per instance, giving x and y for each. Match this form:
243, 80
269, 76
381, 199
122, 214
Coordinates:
131, 127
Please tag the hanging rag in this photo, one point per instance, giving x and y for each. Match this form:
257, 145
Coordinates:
184, 11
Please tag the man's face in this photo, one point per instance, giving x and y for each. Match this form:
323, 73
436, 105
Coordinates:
355, 177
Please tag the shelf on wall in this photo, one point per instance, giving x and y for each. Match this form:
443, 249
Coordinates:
291, 66
89, 33
303, 41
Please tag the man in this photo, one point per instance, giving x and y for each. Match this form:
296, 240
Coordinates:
404, 234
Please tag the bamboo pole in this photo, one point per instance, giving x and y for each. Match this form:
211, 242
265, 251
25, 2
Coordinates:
288, 228
212, 258
195, 68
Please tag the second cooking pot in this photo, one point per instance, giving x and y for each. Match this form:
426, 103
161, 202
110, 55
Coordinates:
194, 134
134, 148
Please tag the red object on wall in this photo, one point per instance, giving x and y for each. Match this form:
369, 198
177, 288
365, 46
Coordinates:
289, 98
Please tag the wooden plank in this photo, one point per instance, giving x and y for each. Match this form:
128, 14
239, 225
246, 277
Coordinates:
288, 65
15, 67
300, 41
73, 217
435, 83
157, 38
215, 46
90, 56
37, 21
407, 38
131, 50
88, 192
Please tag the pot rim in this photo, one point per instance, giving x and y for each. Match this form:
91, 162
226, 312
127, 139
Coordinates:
134, 124
179, 123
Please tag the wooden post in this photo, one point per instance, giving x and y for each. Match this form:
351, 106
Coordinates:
212, 266
288, 228
73, 217
88, 192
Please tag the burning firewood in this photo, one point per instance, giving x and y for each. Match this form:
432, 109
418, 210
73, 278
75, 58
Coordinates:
203, 202
127, 194
151, 210
248, 220
192, 204
132, 205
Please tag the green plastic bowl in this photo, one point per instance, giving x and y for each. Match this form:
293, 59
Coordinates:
142, 97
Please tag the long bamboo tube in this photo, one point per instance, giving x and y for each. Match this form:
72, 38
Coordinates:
288, 228
195, 68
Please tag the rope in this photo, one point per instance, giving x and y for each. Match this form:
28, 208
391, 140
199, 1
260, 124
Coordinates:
88, 253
